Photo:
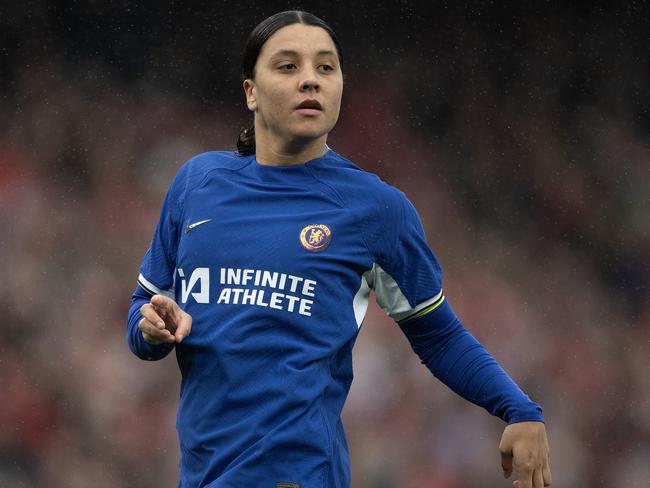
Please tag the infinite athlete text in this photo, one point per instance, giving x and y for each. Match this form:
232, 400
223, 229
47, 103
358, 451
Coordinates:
280, 291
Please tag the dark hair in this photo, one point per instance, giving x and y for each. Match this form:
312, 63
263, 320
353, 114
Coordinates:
257, 39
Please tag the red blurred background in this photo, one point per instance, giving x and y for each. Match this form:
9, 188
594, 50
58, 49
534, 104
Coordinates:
521, 134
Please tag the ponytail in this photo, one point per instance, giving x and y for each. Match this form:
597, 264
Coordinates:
246, 142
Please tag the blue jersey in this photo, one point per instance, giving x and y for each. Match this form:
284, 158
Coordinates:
275, 265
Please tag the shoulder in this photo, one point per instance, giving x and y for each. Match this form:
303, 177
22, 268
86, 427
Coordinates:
203, 163
380, 209
357, 187
194, 170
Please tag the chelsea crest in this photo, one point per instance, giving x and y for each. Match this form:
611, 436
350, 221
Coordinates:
315, 237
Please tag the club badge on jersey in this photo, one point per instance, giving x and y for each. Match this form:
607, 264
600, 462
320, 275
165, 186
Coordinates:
315, 237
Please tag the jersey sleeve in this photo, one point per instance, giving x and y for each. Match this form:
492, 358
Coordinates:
457, 359
158, 268
406, 275
159, 264
407, 280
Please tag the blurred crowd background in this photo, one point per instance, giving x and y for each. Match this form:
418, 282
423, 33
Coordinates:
521, 134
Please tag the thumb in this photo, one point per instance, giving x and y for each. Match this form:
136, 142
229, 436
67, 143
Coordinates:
506, 463
184, 325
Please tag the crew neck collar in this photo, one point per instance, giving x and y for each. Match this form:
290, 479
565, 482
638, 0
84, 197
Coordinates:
285, 174
292, 167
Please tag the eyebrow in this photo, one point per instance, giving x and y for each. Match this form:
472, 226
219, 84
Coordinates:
291, 52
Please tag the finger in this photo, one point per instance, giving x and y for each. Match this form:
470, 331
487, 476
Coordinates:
153, 334
162, 307
522, 483
184, 326
149, 313
538, 479
154, 341
546, 473
524, 472
506, 463
163, 303
168, 310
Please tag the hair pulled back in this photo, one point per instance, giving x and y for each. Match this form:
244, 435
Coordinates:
254, 44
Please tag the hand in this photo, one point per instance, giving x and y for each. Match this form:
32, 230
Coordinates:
526, 444
164, 321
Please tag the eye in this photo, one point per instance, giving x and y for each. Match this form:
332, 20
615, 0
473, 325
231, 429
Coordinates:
287, 67
326, 67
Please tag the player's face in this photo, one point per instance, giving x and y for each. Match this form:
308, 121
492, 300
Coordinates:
296, 93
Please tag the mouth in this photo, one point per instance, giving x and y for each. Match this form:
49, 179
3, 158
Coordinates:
309, 107
310, 103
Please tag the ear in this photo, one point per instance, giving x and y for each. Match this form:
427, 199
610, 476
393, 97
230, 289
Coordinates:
249, 91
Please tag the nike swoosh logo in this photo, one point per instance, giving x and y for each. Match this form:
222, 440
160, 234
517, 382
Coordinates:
196, 224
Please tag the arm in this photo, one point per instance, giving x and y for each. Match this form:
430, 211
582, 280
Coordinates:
456, 358
154, 316
407, 280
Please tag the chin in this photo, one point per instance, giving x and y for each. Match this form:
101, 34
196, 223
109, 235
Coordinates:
311, 133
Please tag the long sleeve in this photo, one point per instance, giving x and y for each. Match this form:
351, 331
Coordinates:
407, 280
158, 268
455, 357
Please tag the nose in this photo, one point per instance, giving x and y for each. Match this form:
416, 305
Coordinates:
309, 82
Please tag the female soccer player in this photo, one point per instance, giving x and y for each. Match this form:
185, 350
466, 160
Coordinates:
267, 255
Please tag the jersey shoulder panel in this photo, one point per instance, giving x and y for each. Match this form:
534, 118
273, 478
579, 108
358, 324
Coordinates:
377, 204
406, 275
202, 164
357, 187
219, 160
194, 171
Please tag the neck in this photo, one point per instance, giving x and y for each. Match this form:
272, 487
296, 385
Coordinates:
287, 153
